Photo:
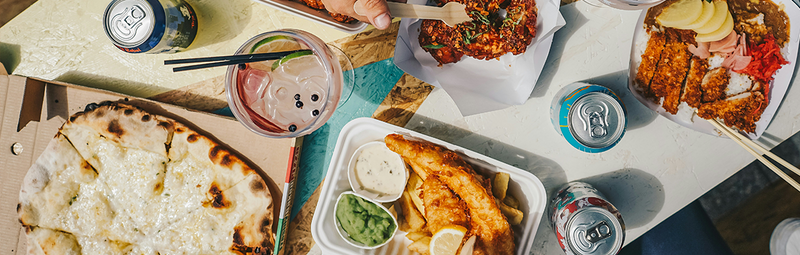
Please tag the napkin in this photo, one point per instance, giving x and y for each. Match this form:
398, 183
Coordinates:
478, 86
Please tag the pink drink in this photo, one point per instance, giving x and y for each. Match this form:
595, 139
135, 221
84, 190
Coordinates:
289, 97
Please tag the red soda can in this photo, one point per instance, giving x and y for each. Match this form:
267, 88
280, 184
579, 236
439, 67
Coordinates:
585, 222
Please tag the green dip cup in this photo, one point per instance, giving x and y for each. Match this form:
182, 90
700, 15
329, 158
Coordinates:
362, 222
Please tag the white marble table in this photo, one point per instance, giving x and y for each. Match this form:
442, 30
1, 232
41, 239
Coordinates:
658, 167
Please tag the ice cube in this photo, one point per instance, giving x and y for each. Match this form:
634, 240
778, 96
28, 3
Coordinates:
254, 83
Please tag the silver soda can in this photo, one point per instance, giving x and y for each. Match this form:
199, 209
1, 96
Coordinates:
585, 222
590, 117
151, 26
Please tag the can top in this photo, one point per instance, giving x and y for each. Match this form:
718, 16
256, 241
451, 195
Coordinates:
128, 23
594, 231
597, 120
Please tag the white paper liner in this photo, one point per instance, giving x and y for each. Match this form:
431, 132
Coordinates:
479, 86
783, 77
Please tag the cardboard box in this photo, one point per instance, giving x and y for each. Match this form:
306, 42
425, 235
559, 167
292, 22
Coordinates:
32, 110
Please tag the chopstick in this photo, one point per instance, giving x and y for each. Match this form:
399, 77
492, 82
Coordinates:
744, 142
225, 60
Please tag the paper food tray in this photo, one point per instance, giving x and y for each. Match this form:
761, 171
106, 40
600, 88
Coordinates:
523, 185
309, 13
478, 86
783, 77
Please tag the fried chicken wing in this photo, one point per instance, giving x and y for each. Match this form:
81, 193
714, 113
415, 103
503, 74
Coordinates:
489, 225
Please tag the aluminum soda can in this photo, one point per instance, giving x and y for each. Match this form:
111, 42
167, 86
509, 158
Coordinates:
585, 222
592, 118
151, 26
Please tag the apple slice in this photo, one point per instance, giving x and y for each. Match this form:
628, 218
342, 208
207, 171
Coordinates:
708, 12
720, 14
681, 13
720, 34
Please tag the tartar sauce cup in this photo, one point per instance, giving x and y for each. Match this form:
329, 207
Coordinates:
399, 179
346, 236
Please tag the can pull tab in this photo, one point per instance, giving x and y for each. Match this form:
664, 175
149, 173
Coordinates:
596, 116
598, 232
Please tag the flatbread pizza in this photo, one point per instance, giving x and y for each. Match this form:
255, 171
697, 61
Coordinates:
119, 180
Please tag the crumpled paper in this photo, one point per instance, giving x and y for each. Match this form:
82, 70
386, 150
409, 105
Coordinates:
479, 86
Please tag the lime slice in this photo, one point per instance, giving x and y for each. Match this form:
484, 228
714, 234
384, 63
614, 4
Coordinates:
285, 59
274, 44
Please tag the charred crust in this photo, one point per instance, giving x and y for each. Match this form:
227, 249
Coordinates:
237, 235
226, 160
145, 118
180, 130
73, 117
165, 124
193, 138
257, 185
157, 188
214, 153
19, 206
128, 112
115, 128
218, 200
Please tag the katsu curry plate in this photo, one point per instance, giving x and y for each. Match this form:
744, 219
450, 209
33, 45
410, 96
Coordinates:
715, 59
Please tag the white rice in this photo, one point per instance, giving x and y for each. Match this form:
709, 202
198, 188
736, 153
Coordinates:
738, 83
715, 61
759, 19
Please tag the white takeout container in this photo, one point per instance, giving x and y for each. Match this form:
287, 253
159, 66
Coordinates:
344, 235
523, 185
779, 86
357, 187
319, 16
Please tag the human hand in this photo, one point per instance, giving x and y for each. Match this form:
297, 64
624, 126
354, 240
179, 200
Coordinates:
375, 12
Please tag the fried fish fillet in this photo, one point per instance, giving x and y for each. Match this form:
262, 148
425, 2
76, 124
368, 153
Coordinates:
494, 234
442, 206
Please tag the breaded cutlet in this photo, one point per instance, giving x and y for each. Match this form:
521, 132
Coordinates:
650, 58
741, 111
692, 94
671, 71
714, 84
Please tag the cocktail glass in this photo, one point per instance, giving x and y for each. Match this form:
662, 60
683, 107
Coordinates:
292, 96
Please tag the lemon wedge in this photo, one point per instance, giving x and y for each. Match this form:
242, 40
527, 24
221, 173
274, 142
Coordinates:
447, 240
720, 34
708, 12
681, 13
720, 14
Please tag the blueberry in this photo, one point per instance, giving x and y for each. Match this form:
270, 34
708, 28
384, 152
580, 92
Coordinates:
296, 96
314, 97
242, 66
315, 113
299, 104
292, 128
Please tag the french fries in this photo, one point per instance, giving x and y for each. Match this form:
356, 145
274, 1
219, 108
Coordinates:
421, 246
514, 216
413, 188
511, 201
414, 221
508, 204
414, 236
500, 185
